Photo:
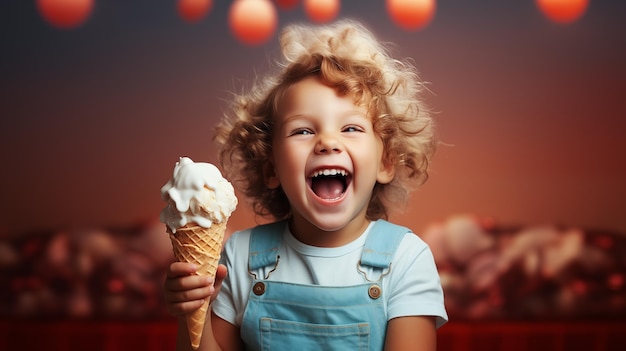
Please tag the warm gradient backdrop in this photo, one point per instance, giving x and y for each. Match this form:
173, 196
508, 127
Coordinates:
532, 113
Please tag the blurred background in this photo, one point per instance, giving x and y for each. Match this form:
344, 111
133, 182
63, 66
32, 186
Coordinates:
99, 99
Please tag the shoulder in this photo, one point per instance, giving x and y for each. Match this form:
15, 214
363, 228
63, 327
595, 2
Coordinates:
410, 252
413, 248
240, 240
414, 241
236, 247
406, 241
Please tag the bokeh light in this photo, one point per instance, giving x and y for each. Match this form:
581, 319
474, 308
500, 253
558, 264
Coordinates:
563, 11
253, 22
411, 14
65, 14
287, 4
193, 10
322, 11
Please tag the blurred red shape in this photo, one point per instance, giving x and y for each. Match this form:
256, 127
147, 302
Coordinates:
321, 11
194, 10
287, 4
411, 14
252, 22
65, 14
563, 11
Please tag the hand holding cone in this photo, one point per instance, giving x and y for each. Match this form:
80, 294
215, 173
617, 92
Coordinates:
200, 246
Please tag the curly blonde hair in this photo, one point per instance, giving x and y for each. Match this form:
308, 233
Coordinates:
348, 58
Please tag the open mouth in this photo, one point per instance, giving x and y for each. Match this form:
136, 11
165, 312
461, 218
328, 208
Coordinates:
329, 183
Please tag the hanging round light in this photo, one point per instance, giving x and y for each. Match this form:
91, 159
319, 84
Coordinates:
563, 11
411, 14
321, 11
65, 14
193, 10
252, 22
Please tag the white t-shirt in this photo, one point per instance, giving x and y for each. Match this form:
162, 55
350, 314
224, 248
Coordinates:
412, 286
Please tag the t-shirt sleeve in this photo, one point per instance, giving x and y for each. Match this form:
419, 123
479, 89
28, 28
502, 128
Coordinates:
414, 282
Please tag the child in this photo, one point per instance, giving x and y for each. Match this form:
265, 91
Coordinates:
326, 147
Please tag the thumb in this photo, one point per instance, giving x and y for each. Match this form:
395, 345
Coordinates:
221, 273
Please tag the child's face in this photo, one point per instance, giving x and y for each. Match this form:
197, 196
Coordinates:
326, 156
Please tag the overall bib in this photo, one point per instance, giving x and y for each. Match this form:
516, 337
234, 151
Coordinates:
285, 316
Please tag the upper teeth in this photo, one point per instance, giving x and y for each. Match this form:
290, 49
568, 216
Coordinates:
329, 172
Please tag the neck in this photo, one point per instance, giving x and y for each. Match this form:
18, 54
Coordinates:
307, 233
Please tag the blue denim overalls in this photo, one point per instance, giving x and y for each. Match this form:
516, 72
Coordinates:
284, 316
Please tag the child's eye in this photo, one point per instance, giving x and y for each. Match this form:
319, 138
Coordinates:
301, 131
352, 129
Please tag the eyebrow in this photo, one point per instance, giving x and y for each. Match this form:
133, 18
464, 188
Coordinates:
349, 113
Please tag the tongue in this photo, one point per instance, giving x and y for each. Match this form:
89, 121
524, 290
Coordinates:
327, 187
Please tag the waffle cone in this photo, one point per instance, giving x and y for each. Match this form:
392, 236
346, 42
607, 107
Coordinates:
202, 247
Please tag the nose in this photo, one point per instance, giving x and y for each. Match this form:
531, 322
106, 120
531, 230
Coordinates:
327, 144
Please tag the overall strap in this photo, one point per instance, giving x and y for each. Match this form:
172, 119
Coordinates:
381, 244
264, 243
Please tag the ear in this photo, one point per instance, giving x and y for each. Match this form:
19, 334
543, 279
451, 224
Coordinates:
386, 172
269, 174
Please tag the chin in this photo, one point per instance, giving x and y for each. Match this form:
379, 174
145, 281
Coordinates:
331, 223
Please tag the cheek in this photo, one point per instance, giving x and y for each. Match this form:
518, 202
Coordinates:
372, 155
288, 159
372, 149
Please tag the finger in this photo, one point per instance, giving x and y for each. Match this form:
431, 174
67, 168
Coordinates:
183, 308
173, 296
177, 269
189, 282
221, 273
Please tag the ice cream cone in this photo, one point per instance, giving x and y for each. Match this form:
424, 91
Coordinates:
202, 247
199, 202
